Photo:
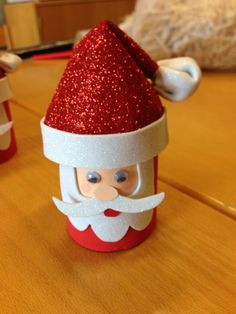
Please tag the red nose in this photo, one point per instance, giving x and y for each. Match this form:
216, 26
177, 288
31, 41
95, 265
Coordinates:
111, 212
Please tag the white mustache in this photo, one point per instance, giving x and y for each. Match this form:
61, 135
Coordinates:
92, 206
5, 127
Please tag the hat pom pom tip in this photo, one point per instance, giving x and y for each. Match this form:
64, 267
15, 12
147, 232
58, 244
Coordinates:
9, 62
177, 79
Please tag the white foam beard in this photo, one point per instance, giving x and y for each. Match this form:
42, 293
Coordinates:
112, 229
109, 229
4, 128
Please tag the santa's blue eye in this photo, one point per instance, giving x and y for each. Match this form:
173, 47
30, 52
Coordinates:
93, 177
121, 176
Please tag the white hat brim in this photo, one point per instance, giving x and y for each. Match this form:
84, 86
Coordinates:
105, 151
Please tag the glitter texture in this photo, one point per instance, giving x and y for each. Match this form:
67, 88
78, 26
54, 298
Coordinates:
105, 87
105, 151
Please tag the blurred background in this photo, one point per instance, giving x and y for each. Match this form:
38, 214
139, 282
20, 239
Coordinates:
203, 29
28, 24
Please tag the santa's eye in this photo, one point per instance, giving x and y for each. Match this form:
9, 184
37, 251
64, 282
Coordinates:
121, 176
93, 177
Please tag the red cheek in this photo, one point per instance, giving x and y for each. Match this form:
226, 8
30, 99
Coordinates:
128, 185
85, 188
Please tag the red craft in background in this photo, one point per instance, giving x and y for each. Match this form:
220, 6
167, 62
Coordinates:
8, 63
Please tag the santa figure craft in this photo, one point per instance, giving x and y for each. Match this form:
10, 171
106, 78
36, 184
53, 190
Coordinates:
105, 126
8, 63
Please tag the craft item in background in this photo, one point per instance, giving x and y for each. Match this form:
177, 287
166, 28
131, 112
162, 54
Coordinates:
105, 126
52, 55
8, 63
204, 30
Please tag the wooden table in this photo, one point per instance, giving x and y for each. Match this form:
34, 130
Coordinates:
188, 265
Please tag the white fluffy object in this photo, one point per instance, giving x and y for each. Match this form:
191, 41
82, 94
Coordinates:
204, 30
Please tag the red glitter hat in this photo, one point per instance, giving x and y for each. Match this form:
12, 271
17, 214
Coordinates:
104, 91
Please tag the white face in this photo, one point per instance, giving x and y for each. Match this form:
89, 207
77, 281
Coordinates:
108, 183
112, 225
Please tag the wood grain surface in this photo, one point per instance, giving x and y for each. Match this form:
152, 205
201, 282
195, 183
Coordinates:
200, 159
201, 156
188, 265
